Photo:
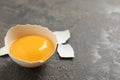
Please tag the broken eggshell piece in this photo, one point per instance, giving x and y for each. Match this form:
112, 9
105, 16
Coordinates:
62, 36
22, 30
65, 51
3, 51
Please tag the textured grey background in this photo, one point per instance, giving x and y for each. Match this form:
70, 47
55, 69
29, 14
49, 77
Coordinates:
95, 37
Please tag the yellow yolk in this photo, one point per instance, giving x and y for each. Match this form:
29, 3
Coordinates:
32, 48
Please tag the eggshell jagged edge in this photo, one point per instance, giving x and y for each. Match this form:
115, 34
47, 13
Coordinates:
3, 51
21, 30
62, 36
64, 50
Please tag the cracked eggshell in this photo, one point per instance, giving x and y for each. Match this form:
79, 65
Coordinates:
22, 30
65, 51
3, 51
62, 36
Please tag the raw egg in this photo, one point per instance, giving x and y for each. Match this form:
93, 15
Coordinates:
32, 48
30, 45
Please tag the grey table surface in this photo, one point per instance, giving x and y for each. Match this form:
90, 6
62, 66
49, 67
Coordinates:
95, 37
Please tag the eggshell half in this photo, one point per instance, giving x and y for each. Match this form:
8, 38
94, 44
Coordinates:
22, 30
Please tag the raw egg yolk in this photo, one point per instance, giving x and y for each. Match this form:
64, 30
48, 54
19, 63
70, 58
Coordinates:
32, 48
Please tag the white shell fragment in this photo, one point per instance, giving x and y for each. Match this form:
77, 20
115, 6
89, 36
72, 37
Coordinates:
62, 36
3, 51
65, 51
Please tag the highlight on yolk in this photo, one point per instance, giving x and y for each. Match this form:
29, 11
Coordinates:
32, 48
